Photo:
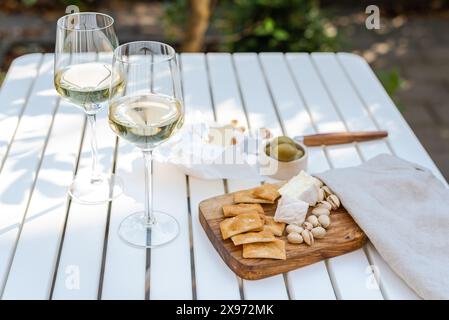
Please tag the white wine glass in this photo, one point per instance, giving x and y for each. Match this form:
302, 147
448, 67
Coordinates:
85, 43
146, 114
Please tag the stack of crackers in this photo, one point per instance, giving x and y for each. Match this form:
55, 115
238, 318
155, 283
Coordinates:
247, 225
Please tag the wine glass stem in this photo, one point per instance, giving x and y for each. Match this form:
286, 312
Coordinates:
95, 174
148, 159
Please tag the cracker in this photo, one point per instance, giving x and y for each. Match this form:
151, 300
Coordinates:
267, 191
277, 228
247, 196
266, 250
239, 224
232, 210
252, 237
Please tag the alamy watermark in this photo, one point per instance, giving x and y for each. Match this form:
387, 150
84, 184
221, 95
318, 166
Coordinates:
373, 19
373, 278
72, 9
73, 277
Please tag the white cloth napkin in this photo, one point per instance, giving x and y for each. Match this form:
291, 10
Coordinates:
189, 152
404, 210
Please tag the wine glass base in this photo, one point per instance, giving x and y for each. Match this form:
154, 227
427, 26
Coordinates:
136, 232
87, 191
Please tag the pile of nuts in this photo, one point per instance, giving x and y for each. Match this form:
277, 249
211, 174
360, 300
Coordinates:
317, 222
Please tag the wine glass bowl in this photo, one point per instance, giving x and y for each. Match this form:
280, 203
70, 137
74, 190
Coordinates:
145, 120
146, 113
83, 75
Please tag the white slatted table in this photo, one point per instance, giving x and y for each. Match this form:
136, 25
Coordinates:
52, 248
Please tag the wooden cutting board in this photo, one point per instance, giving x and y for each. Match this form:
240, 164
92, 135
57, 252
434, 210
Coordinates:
343, 236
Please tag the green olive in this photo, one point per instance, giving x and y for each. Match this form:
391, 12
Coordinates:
299, 154
268, 149
284, 152
278, 141
282, 140
284, 149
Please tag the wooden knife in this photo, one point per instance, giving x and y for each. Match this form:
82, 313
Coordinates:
340, 137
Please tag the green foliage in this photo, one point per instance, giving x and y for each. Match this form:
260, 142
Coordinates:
28, 3
175, 17
263, 25
277, 25
392, 82
82, 4
2, 77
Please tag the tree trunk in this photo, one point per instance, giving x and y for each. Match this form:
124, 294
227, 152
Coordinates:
197, 25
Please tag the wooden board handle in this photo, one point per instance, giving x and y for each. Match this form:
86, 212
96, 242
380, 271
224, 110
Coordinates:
342, 137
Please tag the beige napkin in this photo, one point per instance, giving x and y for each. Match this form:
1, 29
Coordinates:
404, 210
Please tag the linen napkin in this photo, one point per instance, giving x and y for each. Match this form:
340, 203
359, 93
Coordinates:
404, 210
190, 153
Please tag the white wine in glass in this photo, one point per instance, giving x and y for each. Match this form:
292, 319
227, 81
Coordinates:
146, 113
85, 43
86, 84
145, 120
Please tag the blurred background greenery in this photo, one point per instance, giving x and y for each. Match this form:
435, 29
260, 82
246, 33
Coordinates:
205, 25
409, 53
208, 25
260, 25
192, 25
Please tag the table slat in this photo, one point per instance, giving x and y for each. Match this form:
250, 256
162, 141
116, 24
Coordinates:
125, 266
385, 114
285, 94
82, 249
14, 94
365, 84
170, 270
275, 64
393, 287
22, 164
356, 117
348, 104
256, 93
228, 106
47, 210
213, 279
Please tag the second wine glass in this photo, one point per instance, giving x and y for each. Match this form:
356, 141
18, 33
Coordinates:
146, 113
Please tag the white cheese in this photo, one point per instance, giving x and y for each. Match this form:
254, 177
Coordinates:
302, 187
309, 194
291, 210
309, 179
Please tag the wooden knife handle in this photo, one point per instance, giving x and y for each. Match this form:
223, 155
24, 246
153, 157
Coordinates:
342, 137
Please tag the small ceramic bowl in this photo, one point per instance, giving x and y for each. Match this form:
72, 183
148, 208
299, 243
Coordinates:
282, 170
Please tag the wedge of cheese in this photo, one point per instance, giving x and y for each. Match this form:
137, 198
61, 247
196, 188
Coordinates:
291, 210
302, 187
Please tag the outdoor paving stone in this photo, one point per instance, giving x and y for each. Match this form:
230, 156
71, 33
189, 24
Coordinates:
424, 94
442, 111
442, 162
417, 115
437, 54
432, 72
434, 138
